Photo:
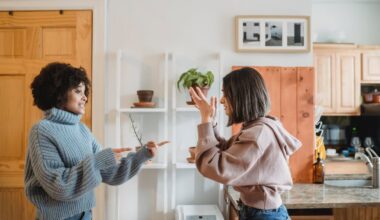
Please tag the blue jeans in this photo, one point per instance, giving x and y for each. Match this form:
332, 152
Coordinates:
250, 213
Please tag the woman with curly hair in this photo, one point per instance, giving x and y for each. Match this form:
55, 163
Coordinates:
254, 161
64, 162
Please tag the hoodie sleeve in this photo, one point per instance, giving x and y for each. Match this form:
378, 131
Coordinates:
228, 166
223, 144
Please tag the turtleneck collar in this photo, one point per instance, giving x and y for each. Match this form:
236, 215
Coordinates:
62, 116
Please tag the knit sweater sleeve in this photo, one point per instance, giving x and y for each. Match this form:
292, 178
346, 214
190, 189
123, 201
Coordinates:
60, 182
126, 169
225, 166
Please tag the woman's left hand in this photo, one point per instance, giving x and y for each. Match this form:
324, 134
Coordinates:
207, 110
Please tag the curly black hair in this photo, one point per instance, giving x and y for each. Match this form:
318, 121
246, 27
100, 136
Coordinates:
51, 86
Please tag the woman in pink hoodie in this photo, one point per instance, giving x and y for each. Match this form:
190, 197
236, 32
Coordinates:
254, 161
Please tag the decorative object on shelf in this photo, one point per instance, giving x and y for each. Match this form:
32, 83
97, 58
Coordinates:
144, 104
145, 95
135, 130
272, 33
194, 78
138, 136
193, 153
145, 99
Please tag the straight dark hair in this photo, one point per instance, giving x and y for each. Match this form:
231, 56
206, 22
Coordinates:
247, 95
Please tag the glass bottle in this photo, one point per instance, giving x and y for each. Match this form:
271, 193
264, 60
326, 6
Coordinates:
319, 170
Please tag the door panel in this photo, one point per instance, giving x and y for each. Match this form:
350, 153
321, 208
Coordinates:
324, 63
348, 86
28, 41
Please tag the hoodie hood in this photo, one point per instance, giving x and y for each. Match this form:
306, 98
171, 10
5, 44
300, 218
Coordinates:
288, 143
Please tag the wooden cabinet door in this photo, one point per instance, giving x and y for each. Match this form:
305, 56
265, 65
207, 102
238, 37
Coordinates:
348, 82
337, 74
371, 66
324, 65
28, 41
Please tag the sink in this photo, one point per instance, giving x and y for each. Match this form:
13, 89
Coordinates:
349, 183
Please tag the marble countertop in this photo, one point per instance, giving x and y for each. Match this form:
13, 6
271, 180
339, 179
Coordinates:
348, 177
306, 196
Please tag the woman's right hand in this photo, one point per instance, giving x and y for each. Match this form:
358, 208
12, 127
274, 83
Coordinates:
118, 152
152, 146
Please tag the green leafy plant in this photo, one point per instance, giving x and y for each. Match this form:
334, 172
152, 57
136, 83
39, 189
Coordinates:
192, 77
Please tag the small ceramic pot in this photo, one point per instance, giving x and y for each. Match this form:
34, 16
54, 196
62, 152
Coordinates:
193, 151
376, 98
368, 97
145, 95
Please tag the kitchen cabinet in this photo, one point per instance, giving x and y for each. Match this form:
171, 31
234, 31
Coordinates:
371, 65
337, 71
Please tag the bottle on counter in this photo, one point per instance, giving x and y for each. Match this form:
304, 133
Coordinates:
319, 170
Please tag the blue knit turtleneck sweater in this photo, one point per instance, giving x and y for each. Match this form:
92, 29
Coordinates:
64, 164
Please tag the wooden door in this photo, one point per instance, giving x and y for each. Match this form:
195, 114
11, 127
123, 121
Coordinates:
371, 66
291, 91
324, 64
28, 41
348, 82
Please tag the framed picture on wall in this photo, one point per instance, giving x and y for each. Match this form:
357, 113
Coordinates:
272, 33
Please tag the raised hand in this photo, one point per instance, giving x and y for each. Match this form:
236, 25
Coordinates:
207, 109
152, 146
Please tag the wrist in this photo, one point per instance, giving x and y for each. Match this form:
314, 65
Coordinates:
206, 120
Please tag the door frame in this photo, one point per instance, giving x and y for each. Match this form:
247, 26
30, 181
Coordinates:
98, 8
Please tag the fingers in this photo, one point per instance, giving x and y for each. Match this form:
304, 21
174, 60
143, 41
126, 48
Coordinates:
118, 156
200, 93
214, 103
163, 143
194, 94
120, 150
213, 106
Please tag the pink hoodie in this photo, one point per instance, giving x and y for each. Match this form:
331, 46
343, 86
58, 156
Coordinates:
254, 162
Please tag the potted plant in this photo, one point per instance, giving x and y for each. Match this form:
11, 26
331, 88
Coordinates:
194, 78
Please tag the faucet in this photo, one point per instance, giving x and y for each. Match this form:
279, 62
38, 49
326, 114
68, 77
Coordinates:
365, 158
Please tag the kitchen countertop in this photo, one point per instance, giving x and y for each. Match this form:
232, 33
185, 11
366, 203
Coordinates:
309, 196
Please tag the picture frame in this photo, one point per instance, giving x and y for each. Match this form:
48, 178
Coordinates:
272, 34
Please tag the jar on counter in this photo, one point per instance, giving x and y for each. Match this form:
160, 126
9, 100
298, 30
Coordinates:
319, 170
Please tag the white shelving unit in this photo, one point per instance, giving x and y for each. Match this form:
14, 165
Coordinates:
178, 162
163, 109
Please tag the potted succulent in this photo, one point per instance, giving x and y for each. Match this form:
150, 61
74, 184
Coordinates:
194, 78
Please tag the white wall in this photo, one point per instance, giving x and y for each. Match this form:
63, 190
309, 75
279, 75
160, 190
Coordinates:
355, 21
194, 29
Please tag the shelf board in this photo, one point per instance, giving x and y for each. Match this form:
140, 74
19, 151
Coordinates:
127, 110
186, 109
154, 166
185, 165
